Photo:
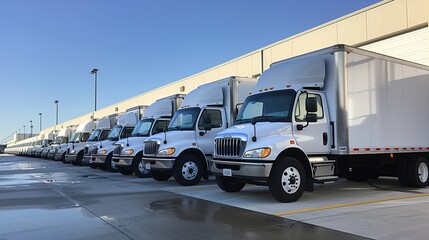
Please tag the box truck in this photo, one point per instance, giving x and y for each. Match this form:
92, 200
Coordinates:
335, 112
76, 153
81, 134
103, 127
62, 138
46, 143
127, 154
102, 151
183, 150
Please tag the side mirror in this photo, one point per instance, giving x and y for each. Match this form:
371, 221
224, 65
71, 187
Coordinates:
311, 117
311, 104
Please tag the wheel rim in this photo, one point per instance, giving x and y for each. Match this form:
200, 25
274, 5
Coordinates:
142, 168
291, 180
423, 172
189, 170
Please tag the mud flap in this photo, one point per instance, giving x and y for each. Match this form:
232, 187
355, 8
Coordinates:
309, 185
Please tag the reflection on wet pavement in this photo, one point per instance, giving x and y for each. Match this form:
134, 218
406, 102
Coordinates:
68, 202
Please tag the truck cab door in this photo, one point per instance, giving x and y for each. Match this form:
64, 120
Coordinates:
210, 123
312, 137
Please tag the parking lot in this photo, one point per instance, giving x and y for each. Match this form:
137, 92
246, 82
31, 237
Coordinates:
46, 199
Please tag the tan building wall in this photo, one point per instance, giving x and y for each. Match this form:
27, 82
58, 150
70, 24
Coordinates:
378, 22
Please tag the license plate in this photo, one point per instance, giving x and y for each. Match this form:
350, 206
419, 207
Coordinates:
148, 166
227, 172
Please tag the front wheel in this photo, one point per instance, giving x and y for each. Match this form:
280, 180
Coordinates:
188, 170
229, 184
108, 163
287, 180
139, 167
160, 175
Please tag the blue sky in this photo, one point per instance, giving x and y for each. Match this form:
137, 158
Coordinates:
48, 47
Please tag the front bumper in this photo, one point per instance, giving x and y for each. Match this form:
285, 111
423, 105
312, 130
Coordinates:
58, 156
241, 169
71, 157
98, 159
87, 159
159, 163
123, 161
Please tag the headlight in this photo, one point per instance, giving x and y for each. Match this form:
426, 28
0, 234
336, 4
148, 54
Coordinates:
102, 152
128, 152
73, 151
257, 153
166, 151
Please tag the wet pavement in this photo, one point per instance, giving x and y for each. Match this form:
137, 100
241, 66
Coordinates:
43, 199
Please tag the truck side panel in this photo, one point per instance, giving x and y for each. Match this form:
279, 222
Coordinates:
386, 105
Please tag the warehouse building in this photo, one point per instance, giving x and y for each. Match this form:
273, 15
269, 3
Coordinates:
398, 28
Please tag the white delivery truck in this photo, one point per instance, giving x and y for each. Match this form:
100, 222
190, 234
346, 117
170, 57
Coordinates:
46, 143
32, 152
127, 155
102, 151
76, 153
103, 127
81, 134
62, 138
335, 112
183, 150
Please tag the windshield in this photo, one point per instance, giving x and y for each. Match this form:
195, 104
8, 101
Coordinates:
75, 137
143, 128
61, 139
94, 135
270, 106
184, 119
114, 134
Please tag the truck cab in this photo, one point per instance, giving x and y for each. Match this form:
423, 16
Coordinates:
127, 155
102, 151
184, 149
74, 154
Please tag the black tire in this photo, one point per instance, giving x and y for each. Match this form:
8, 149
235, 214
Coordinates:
63, 159
79, 158
108, 163
287, 180
92, 165
139, 167
124, 171
417, 170
229, 184
188, 170
357, 174
402, 172
160, 175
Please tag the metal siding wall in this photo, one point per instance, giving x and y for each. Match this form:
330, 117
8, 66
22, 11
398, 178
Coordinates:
413, 46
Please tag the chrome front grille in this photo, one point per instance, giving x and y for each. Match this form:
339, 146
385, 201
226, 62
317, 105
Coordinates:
229, 147
151, 147
94, 151
117, 150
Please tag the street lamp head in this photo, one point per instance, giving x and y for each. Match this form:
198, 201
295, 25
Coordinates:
56, 101
40, 114
94, 71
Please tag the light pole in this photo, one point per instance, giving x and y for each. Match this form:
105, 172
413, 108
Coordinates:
94, 71
56, 121
40, 121
31, 128
24, 131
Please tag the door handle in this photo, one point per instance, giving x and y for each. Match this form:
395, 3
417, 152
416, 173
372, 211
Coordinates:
325, 138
